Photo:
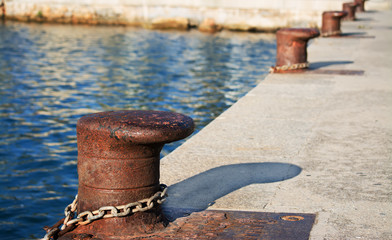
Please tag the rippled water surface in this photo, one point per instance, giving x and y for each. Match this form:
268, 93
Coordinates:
51, 75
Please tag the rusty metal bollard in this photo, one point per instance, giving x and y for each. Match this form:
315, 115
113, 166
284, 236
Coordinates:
349, 7
360, 5
291, 52
331, 23
118, 164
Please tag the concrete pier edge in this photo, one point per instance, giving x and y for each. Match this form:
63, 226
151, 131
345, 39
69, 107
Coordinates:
249, 15
303, 143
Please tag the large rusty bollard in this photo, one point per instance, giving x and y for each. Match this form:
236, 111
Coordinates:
349, 7
331, 23
360, 5
118, 164
291, 52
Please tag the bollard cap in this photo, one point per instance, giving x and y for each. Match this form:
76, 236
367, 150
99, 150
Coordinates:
337, 14
350, 4
299, 33
137, 126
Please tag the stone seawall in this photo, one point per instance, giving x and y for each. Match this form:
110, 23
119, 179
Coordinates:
246, 15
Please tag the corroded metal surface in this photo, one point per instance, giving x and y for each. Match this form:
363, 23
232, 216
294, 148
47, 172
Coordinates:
138, 127
291, 45
213, 224
331, 22
349, 7
118, 163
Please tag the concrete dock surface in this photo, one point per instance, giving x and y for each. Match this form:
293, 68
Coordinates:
314, 142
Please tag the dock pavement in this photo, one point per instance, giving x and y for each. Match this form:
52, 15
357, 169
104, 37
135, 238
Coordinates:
318, 142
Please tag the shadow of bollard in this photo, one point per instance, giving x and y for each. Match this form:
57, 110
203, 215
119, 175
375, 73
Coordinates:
318, 68
200, 191
318, 65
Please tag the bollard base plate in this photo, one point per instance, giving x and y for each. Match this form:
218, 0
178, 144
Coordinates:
218, 224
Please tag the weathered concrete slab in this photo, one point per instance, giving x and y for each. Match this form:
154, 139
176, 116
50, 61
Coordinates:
304, 143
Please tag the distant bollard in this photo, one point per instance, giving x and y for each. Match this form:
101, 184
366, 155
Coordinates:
331, 23
360, 5
349, 7
291, 52
118, 167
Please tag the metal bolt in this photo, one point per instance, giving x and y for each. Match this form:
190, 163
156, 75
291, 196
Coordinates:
292, 218
331, 23
349, 7
291, 45
118, 163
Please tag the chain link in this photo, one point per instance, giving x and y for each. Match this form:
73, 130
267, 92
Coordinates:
69, 212
333, 33
87, 217
289, 67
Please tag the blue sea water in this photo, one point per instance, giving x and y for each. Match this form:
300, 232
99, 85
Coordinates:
51, 75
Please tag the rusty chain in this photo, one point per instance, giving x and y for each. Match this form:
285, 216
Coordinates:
289, 67
68, 222
333, 33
